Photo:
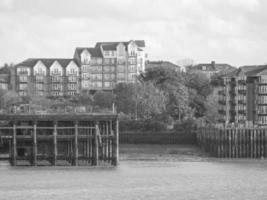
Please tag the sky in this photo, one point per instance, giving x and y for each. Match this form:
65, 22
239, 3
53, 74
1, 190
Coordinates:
226, 31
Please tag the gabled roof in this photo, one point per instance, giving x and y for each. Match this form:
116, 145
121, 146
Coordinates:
255, 70
165, 64
31, 62
140, 43
113, 45
95, 52
213, 67
110, 47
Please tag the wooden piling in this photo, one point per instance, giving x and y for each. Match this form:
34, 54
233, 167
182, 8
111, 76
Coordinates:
55, 144
116, 144
14, 146
96, 150
76, 150
34, 146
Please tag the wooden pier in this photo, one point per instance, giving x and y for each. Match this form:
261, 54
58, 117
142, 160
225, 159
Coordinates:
61, 139
233, 142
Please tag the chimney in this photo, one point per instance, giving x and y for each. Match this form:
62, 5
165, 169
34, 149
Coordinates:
213, 64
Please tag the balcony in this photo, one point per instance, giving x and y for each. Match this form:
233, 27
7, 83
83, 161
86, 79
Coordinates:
243, 102
242, 92
232, 93
221, 121
221, 92
222, 102
242, 112
232, 102
232, 83
242, 82
221, 111
232, 112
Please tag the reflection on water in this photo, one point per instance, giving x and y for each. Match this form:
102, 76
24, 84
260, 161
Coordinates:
138, 180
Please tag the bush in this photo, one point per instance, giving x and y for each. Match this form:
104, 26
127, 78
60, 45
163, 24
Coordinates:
138, 125
185, 125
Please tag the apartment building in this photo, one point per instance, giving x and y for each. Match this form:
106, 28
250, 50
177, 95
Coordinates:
91, 68
109, 63
48, 77
243, 96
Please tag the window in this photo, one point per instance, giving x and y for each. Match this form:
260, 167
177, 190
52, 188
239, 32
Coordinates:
107, 84
106, 53
120, 76
71, 86
121, 61
99, 84
72, 78
23, 70
106, 61
107, 76
107, 68
39, 78
56, 79
72, 71
23, 86
132, 61
55, 71
204, 68
23, 78
39, 86
132, 68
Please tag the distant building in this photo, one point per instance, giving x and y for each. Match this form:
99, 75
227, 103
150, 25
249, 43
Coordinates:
4, 81
164, 64
243, 96
92, 68
209, 69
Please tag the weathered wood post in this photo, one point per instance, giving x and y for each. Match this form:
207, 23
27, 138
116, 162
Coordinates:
116, 144
76, 152
55, 144
34, 146
14, 145
97, 132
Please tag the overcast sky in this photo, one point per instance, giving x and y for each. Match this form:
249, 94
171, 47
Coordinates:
227, 31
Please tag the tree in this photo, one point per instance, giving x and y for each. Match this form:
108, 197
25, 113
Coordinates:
125, 98
103, 99
211, 104
198, 88
173, 84
151, 101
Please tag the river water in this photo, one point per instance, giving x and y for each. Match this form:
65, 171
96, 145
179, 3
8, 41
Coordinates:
143, 179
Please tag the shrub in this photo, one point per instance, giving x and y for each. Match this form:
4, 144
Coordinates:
138, 125
188, 124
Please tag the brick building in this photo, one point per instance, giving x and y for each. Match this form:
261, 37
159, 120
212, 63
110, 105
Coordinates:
243, 96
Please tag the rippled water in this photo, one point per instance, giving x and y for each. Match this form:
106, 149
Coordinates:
139, 180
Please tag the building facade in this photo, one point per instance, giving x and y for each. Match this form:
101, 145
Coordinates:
243, 96
97, 68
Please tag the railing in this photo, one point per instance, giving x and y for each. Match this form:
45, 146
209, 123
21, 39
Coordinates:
233, 142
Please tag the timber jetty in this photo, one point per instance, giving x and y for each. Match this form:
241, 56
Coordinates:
61, 139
